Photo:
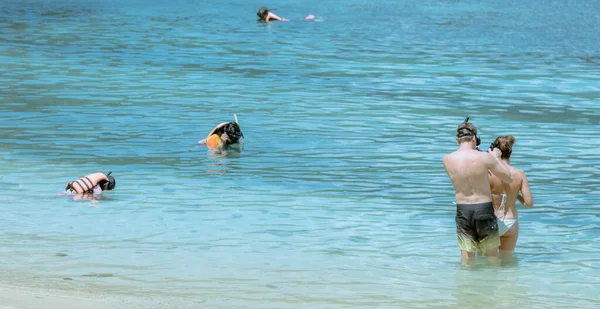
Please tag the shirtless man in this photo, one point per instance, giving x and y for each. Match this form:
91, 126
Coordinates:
476, 224
506, 196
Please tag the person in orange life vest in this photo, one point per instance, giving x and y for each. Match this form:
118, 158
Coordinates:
93, 183
223, 135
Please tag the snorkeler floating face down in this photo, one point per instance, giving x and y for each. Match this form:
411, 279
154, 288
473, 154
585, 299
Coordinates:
92, 183
231, 134
108, 184
223, 135
264, 14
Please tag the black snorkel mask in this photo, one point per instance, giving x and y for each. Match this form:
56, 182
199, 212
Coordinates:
464, 132
108, 185
232, 129
496, 145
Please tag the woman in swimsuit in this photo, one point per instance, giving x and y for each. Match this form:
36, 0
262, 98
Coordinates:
505, 196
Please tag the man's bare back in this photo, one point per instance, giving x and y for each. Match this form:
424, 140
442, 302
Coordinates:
468, 170
476, 224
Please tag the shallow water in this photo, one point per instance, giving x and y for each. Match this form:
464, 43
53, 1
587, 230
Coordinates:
338, 198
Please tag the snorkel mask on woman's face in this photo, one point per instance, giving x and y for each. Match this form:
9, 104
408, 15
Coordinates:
108, 185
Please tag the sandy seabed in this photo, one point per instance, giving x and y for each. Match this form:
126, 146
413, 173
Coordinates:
25, 298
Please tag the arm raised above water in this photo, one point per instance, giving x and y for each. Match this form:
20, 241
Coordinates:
499, 167
272, 16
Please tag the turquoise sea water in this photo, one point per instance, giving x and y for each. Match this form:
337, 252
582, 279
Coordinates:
338, 198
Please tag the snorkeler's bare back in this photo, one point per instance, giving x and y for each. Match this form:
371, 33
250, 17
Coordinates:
517, 185
468, 171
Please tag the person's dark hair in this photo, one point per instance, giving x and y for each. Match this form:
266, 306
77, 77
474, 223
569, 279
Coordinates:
466, 131
233, 131
262, 13
504, 143
108, 185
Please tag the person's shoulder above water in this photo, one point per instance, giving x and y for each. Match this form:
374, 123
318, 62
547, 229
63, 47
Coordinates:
467, 163
264, 14
94, 183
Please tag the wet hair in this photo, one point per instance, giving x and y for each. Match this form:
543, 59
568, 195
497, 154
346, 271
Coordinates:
108, 185
233, 131
262, 13
466, 131
504, 143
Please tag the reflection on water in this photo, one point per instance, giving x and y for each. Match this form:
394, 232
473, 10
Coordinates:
232, 151
492, 287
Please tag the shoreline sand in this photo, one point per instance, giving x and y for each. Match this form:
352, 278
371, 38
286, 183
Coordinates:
18, 299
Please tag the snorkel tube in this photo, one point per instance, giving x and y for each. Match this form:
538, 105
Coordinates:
466, 131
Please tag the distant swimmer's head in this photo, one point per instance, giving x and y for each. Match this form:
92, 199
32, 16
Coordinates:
233, 132
108, 185
262, 13
466, 131
504, 143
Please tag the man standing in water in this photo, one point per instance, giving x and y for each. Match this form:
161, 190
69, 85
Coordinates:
476, 223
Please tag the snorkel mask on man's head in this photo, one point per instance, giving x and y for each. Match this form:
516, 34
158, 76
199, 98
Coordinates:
467, 129
108, 185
